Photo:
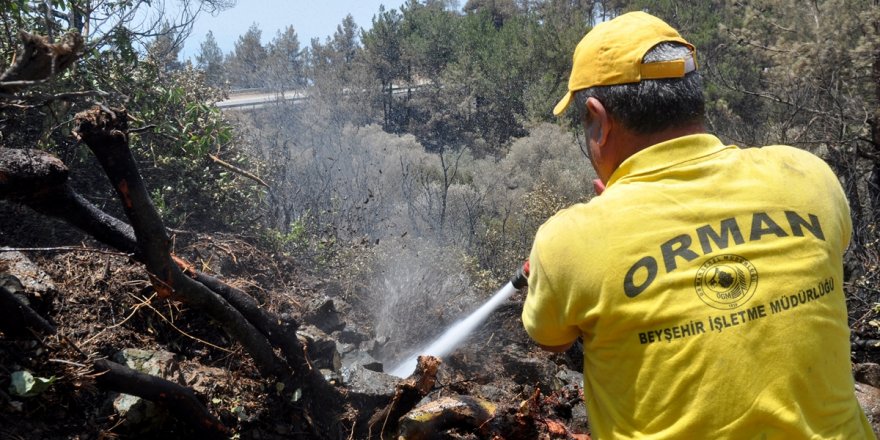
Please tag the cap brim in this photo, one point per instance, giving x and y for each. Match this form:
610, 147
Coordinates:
562, 104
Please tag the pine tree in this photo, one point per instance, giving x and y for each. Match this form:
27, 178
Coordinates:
247, 62
210, 60
285, 67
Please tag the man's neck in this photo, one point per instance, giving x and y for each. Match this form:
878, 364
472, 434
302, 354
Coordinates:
641, 141
625, 143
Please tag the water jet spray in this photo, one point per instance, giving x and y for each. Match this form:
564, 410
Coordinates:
455, 335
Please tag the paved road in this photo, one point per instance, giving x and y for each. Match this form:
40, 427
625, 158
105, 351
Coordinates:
256, 99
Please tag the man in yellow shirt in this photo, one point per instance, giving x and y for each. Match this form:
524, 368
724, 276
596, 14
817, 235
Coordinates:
706, 281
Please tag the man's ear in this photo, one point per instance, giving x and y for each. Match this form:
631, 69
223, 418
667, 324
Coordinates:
600, 123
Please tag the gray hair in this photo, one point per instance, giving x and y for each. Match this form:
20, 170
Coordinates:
650, 106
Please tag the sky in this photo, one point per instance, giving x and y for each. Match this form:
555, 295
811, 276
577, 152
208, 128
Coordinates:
310, 19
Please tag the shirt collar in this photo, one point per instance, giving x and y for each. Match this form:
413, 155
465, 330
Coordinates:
667, 154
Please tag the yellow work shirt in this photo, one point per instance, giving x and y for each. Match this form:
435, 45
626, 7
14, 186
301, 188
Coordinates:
707, 284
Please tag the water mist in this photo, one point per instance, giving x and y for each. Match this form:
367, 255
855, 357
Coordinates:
455, 335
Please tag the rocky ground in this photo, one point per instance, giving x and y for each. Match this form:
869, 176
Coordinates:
103, 305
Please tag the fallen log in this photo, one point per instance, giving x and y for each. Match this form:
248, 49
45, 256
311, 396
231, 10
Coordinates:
181, 402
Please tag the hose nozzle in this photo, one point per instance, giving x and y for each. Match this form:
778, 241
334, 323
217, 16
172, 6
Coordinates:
521, 277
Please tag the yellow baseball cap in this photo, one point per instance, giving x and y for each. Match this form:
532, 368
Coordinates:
612, 52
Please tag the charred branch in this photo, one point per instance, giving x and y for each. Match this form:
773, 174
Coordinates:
283, 338
29, 172
105, 133
18, 317
39, 180
69, 205
181, 401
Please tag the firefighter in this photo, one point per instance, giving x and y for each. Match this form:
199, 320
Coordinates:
706, 281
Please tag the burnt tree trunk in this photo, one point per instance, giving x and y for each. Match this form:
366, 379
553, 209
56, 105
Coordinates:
106, 134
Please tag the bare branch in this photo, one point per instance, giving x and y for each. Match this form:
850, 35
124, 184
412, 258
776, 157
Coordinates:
67, 249
237, 170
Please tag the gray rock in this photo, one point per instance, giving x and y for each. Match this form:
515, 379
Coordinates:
344, 348
321, 348
362, 359
368, 346
352, 336
492, 393
867, 373
155, 363
566, 377
530, 370
368, 389
11, 283
136, 411
580, 421
324, 316
332, 377
28, 274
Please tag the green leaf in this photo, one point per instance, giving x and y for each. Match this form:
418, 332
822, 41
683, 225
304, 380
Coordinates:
25, 384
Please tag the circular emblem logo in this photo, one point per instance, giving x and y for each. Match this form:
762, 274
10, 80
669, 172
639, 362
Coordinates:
726, 281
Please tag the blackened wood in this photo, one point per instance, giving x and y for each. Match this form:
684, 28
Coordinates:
16, 317
105, 133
